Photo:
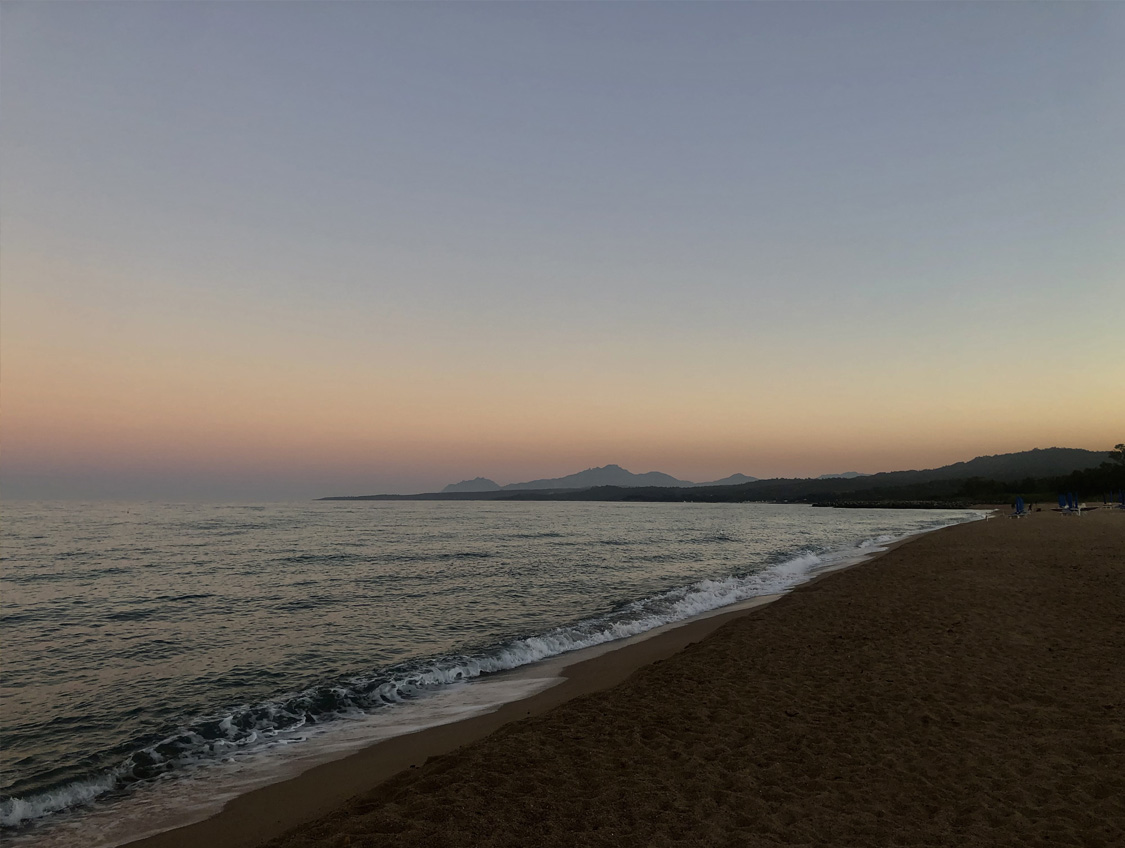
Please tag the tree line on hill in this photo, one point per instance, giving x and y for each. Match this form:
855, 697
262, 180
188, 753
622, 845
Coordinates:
943, 486
1086, 483
1035, 475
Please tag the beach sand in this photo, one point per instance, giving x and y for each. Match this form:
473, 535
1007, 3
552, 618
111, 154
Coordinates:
966, 688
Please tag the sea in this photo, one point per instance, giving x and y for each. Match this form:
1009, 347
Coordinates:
159, 659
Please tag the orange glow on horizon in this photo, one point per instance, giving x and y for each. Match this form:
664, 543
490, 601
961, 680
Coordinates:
83, 391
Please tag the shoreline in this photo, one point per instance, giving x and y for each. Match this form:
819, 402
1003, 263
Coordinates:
264, 813
965, 689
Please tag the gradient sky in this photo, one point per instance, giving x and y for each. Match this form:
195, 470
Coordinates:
285, 250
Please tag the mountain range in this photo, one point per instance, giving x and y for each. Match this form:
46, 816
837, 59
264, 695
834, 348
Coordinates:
612, 482
606, 475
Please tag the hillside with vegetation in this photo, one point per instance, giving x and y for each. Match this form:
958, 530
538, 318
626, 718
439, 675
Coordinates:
1036, 475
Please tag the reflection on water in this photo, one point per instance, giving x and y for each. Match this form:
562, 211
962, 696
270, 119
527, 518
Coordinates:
143, 641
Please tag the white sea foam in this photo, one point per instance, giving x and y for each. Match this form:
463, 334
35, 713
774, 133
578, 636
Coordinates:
15, 811
253, 729
189, 747
230, 735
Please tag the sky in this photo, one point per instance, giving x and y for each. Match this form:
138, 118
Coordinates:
277, 251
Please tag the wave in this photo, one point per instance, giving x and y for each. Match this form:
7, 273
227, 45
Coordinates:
16, 811
288, 718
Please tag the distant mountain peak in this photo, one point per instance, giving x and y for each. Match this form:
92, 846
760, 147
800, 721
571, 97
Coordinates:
1010, 467
605, 475
602, 475
477, 484
732, 480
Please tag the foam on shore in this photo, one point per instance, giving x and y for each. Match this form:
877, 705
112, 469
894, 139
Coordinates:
230, 755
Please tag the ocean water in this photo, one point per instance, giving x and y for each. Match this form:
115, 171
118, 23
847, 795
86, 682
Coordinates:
160, 658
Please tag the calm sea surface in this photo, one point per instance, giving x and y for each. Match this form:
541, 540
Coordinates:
145, 644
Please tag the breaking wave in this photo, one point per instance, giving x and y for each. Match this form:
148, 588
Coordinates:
290, 717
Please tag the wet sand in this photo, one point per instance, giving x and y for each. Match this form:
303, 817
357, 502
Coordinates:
967, 688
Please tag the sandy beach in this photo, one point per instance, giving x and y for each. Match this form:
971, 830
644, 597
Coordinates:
966, 688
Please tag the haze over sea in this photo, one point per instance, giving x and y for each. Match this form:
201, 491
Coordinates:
162, 657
